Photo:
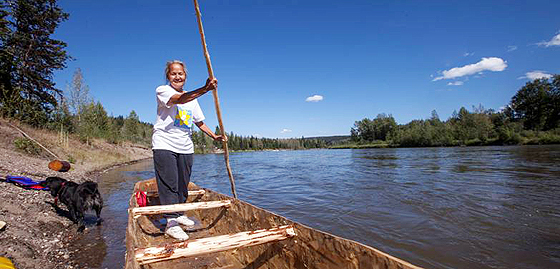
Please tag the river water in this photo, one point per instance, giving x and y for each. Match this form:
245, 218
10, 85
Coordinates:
463, 207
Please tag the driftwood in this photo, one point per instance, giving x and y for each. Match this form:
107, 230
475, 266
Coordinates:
56, 165
160, 209
213, 244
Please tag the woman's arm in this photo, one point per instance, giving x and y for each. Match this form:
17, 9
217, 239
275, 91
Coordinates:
203, 127
185, 97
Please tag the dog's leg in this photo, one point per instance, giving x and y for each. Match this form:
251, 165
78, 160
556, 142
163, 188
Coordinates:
97, 209
80, 221
73, 213
81, 227
79, 208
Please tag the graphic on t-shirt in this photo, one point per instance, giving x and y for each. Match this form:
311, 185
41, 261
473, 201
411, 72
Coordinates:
183, 119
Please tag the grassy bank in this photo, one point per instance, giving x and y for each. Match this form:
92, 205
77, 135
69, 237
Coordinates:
88, 154
523, 138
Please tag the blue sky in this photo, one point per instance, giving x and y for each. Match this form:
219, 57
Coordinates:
312, 68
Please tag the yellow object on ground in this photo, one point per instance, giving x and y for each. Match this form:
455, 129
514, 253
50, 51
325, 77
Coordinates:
5, 263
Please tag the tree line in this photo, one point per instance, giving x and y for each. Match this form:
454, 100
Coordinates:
531, 117
204, 144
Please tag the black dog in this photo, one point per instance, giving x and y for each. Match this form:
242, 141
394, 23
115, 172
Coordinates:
78, 198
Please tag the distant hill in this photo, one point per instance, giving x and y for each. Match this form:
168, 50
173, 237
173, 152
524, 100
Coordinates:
332, 140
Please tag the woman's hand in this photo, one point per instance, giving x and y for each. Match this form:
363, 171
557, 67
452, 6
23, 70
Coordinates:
211, 84
221, 138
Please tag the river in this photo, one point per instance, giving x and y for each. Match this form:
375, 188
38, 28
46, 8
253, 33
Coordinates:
462, 207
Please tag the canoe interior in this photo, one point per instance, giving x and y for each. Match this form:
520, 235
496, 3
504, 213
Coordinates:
311, 248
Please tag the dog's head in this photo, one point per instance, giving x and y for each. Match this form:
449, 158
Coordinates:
54, 184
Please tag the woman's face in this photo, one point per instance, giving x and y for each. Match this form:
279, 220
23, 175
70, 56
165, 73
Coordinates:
176, 76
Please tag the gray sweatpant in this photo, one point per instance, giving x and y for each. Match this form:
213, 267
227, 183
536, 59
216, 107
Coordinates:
173, 174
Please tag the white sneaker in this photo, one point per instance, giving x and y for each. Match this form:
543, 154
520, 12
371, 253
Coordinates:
183, 220
177, 233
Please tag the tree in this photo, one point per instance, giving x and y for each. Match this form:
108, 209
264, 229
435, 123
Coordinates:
78, 93
554, 119
95, 122
363, 131
29, 57
61, 118
383, 125
218, 144
131, 128
537, 104
368, 130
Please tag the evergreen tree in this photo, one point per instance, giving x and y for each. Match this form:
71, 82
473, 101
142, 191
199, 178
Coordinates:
130, 127
29, 57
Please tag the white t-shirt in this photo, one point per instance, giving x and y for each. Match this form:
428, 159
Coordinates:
174, 123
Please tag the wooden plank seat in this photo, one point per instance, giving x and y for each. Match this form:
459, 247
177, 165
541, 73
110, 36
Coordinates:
191, 193
212, 244
160, 209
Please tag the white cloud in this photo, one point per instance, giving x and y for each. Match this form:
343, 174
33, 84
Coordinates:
284, 131
536, 75
314, 98
456, 83
468, 54
511, 48
555, 41
491, 64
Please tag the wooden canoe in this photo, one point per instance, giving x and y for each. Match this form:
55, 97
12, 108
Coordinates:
230, 233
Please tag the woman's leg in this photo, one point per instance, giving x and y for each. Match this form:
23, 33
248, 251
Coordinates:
167, 176
184, 165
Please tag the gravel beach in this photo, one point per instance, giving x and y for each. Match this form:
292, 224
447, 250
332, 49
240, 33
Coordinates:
36, 235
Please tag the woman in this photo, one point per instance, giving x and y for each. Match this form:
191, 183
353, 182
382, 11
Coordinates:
172, 145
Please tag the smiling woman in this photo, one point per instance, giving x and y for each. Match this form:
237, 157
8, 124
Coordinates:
176, 74
177, 112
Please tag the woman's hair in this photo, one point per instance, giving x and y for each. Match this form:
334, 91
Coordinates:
168, 68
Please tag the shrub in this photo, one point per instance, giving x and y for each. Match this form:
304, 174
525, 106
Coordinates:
27, 146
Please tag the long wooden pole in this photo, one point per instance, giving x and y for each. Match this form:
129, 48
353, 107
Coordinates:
216, 100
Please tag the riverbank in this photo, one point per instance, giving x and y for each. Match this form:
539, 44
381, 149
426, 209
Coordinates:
529, 138
36, 236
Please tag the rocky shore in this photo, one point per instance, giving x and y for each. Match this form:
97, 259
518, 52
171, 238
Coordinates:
36, 235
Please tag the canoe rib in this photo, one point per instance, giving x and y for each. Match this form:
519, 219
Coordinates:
212, 244
160, 209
